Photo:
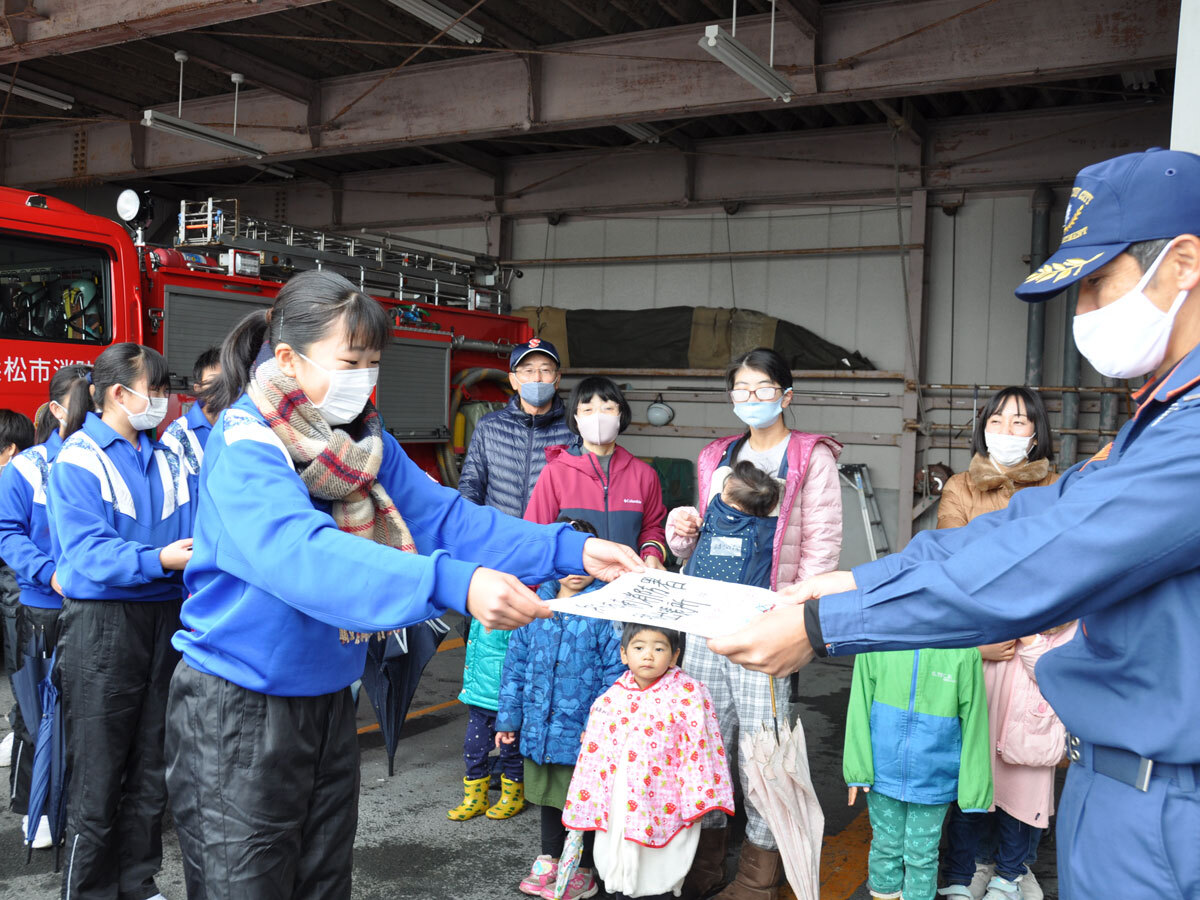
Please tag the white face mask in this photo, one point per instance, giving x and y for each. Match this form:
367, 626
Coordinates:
347, 394
1128, 337
149, 418
1007, 449
599, 428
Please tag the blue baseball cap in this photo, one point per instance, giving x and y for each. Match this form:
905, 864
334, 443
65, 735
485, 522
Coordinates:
534, 345
1115, 203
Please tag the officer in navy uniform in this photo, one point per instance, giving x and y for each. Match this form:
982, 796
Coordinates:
1115, 543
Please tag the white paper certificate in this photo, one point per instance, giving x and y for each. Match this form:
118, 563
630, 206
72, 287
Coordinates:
686, 603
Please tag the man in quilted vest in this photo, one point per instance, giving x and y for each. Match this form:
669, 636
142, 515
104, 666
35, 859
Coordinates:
507, 453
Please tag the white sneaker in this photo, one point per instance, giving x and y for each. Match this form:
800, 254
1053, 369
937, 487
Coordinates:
955, 890
979, 883
6, 750
1030, 889
41, 837
1000, 888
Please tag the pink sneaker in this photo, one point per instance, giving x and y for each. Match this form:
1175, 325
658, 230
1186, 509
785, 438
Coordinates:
542, 874
581, 886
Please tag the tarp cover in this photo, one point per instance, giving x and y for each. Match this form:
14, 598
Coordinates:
683, 337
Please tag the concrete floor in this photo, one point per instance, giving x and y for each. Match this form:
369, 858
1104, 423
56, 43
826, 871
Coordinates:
405, 846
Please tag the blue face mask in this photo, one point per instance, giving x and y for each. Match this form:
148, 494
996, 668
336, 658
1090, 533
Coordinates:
537, 393
759, 414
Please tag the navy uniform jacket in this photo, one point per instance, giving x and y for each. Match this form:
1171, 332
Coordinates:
1115, 542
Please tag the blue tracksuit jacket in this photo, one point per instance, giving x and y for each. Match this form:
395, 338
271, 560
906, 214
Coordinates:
24, 525
113, 507
273, 579
553, 673
1115, 542
188, 435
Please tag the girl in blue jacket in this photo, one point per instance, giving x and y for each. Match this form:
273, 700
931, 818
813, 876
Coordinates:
314, 531
553, 673
25, 547
119, 521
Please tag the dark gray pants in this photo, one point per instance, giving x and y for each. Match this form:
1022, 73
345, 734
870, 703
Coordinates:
264, 790
114, 665
29, 620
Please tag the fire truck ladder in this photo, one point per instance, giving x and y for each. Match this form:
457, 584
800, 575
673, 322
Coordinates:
378, 265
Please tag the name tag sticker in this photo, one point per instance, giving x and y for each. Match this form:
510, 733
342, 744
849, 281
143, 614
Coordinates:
725, 546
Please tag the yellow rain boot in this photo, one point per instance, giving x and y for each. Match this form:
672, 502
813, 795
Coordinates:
475, 797
512, 799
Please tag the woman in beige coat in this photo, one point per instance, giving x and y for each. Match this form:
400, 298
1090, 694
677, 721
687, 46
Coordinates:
1012, 451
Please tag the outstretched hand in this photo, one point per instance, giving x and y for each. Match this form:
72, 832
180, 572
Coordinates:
608, 560
500, 601
776, 642
818, 586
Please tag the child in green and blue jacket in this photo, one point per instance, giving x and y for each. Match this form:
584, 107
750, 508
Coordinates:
916, 739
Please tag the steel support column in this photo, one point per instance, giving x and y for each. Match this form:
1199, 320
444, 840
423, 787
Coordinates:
910, 411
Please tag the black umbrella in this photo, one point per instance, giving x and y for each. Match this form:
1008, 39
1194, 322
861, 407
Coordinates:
392, 673
35, 692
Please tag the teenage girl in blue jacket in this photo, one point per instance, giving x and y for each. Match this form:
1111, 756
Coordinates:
314, 530
119, 534
25, 546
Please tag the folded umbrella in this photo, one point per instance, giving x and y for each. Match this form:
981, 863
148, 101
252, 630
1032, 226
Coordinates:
779, 784
38, 697
568, 863
392, 673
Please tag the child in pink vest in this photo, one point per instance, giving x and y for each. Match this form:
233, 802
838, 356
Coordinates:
651, 766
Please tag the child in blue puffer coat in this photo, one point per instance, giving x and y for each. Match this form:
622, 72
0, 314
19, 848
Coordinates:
554, 671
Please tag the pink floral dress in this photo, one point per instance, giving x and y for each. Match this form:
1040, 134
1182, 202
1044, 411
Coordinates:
656, 754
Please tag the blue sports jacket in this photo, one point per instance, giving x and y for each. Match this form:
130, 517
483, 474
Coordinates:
24, 525
112, 508
188, 435
508, 452
273, 580
553, 673
1115, 542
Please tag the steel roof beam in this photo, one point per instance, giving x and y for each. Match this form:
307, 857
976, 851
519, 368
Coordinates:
1017, 42
69, 26
1006, 152
223, 57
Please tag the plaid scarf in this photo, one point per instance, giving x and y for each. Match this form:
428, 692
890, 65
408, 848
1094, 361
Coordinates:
333, 465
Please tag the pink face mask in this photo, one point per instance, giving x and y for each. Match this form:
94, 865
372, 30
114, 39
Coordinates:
599, 428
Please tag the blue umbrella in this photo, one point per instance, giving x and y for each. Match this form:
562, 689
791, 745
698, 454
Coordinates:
393, 670
35, 691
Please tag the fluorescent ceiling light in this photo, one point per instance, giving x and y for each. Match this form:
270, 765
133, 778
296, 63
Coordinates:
641, 132
152, 118
442, 17
731, 52
35, 93
276, 170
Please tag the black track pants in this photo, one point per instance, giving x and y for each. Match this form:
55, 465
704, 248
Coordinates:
29, 619
114, 665
264, 790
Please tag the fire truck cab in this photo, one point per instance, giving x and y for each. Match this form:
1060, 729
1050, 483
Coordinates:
73, 283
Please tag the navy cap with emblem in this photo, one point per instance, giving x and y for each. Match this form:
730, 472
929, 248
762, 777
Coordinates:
1115, 203
535, 345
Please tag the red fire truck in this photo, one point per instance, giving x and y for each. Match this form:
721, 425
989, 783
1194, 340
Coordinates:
73, 283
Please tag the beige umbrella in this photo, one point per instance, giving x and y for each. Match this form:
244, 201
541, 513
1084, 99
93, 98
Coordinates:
779, 785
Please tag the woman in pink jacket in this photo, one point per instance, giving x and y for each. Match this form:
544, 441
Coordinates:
597, 480
808, 541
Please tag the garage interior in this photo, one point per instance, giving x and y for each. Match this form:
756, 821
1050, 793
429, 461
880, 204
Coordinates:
595, 153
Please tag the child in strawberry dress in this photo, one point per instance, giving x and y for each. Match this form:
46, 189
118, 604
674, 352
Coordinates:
652, 764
